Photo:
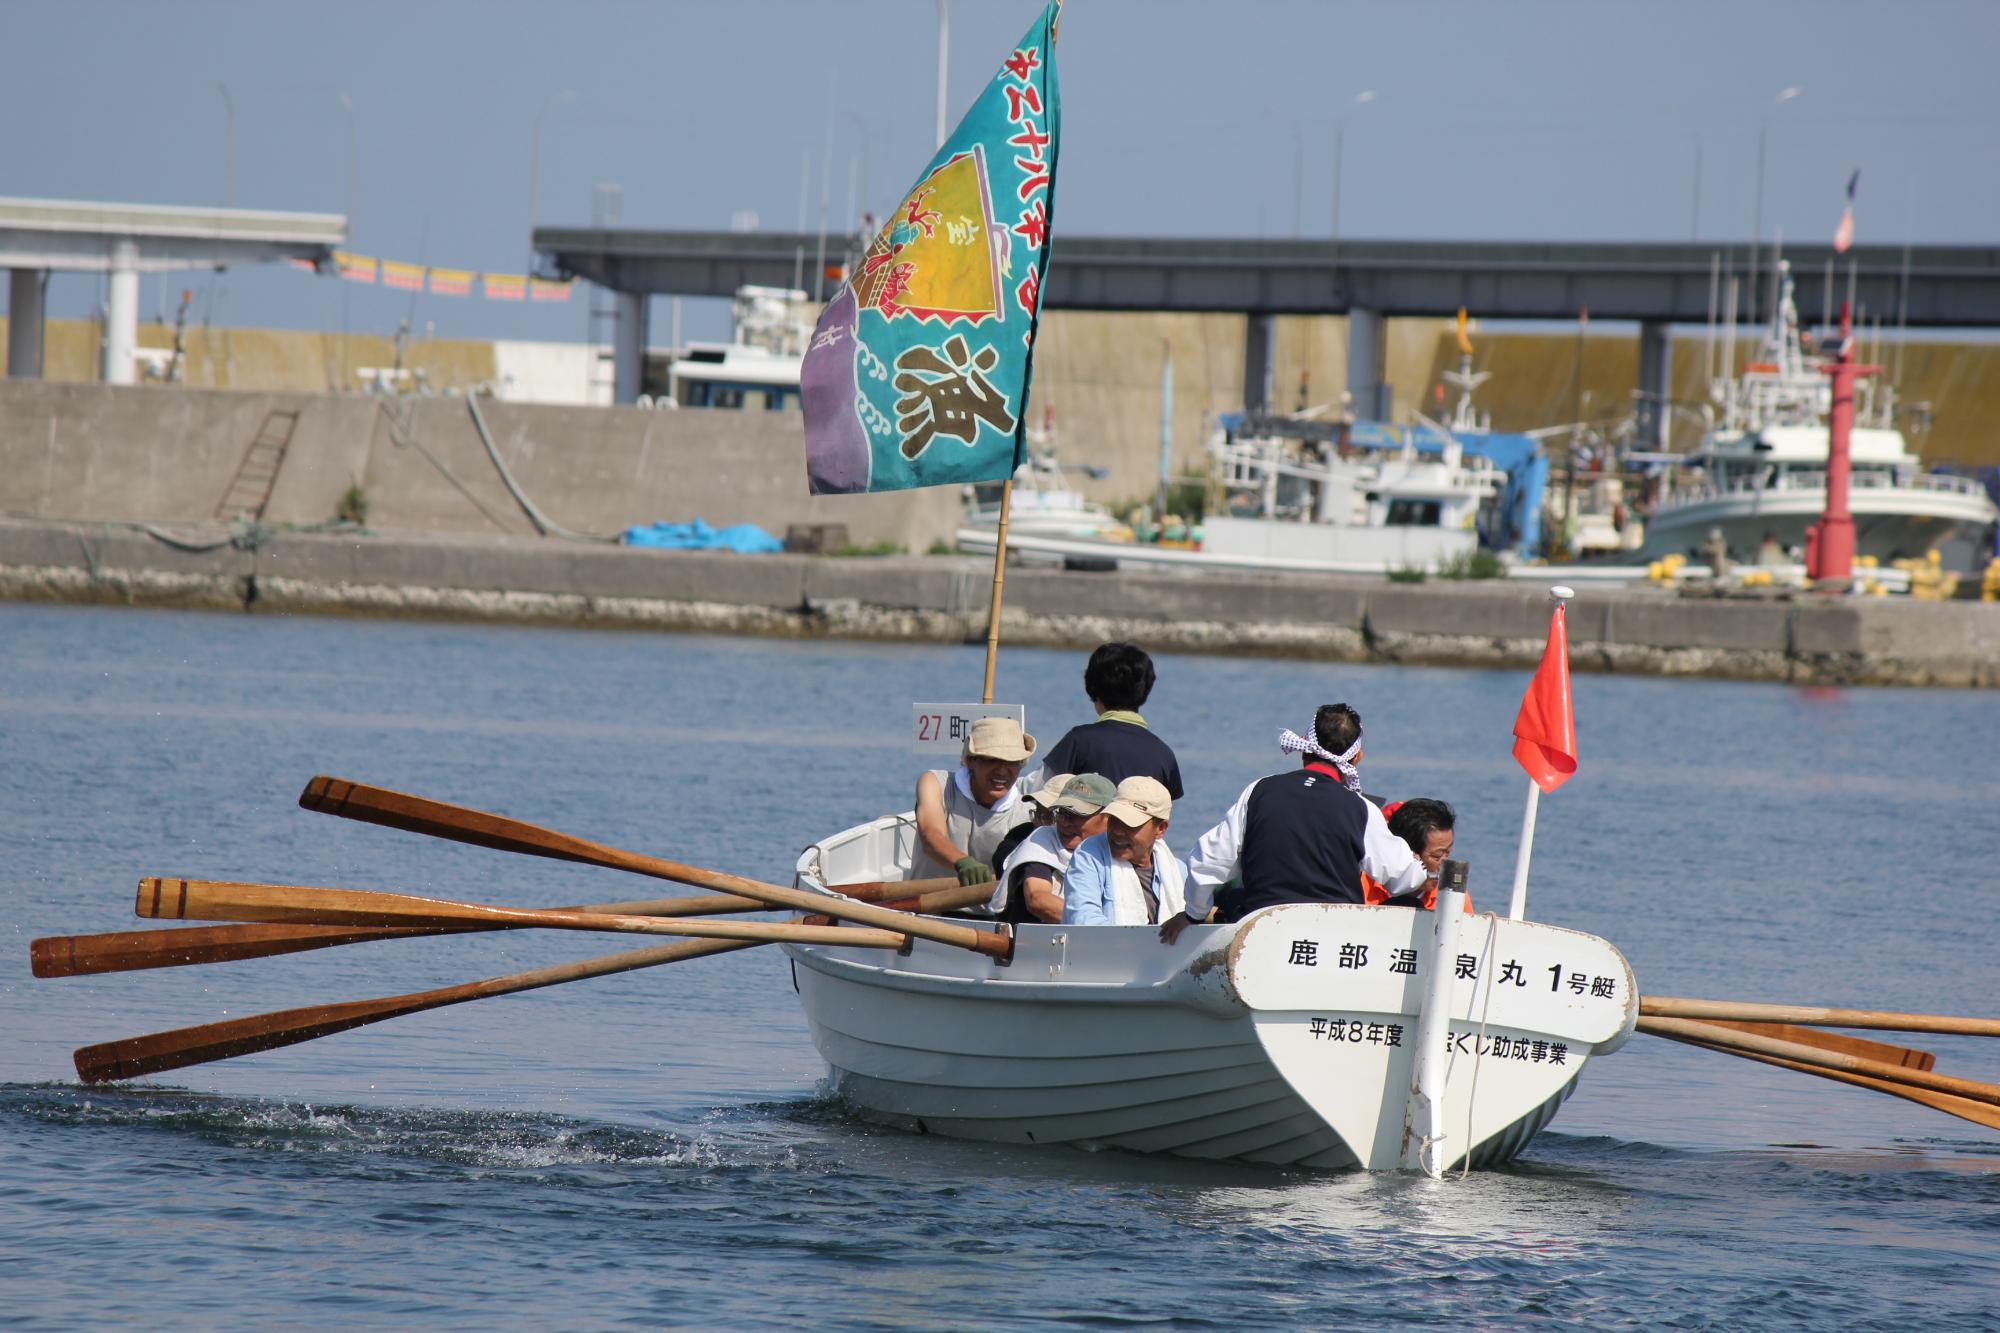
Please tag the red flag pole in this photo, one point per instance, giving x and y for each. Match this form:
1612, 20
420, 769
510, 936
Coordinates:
1518, 904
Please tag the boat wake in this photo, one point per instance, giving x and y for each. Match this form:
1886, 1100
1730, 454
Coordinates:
415, 1137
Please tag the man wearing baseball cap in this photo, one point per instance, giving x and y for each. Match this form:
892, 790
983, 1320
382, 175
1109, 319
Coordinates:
1126, 876
963, 813
1033, 873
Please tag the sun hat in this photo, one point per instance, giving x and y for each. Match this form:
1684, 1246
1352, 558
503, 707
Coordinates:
1086, 794
999, 738
1045, 795
1138, 800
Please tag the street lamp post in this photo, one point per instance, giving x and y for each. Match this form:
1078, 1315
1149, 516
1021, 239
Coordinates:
229, 151
1757, 209
348, 103
535, 168
943, 62
1339, 156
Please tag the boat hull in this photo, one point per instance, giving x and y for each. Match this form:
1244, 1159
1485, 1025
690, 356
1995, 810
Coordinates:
1214, 1048
1889, 523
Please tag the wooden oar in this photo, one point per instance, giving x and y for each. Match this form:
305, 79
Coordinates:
181, 1047
160, 1051
294, 904
391, 809
1908, 1057
1711, 1034
1669, 1006
1979, 1113
133, 950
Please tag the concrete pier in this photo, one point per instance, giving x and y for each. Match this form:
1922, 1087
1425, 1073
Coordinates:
1807, 640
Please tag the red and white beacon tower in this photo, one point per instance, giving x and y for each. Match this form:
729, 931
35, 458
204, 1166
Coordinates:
1830, 542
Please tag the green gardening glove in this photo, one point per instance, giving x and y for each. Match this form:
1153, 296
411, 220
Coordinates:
972, 870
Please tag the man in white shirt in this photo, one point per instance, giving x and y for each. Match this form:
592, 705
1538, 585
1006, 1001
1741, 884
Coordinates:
1304, 836
1032, 878
1126, 875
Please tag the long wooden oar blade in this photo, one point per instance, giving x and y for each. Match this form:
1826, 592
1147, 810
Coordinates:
219, 900
1906, 1057
1979, 1113
161, 1051
1712, 1034
134, 950
376, 805
1672, 1006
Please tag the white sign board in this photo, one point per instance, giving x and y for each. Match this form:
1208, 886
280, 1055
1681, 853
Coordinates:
942, 728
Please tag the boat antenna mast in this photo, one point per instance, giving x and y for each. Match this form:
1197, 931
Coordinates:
1464, 417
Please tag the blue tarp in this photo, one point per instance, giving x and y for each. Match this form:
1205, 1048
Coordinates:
746, 538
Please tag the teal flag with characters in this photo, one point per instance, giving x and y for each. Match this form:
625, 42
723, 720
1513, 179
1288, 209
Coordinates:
917, 374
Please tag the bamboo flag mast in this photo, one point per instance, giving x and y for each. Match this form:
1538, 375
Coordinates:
999, 582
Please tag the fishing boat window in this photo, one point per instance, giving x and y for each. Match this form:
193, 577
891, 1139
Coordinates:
1415, 513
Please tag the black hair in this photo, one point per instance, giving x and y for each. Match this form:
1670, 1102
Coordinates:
1419, 817
1336, 727
1119, 675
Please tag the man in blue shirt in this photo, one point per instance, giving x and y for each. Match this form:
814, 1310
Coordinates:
1126, 875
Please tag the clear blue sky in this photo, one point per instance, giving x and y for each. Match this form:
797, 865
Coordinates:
1500, 119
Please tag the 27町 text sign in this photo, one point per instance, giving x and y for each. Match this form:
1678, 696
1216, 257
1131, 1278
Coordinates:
942, 728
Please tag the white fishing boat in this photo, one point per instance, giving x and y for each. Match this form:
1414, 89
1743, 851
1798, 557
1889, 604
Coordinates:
1762, 470
1046, 501
1291, 1037
1301, 500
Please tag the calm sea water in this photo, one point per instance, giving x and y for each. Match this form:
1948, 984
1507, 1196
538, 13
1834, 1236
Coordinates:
654, 1149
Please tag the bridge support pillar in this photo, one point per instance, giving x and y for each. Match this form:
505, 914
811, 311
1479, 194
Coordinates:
1656, 382
121, 315
628, 351
25, 305
1260, 338
1367, 344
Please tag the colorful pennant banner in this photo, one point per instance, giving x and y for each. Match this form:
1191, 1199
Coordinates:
443, 281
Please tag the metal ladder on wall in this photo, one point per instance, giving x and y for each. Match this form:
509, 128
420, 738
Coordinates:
250, 489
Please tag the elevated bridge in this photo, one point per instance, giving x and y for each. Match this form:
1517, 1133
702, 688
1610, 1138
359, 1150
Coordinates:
1656, 284
125, 240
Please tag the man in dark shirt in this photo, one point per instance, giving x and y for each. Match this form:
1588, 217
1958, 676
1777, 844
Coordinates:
1118, 744
1303, 836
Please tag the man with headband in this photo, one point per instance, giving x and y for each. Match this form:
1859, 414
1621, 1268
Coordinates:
1306, 836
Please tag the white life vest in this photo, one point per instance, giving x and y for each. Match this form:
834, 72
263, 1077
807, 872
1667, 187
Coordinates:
1042, 848
975, 827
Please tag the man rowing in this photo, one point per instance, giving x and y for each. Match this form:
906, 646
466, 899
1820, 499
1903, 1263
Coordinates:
963, 813
1032, 875
1304, 836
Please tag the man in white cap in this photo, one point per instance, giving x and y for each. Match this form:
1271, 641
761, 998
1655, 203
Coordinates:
1303, 836
963, 813
1032, 875
1126, 876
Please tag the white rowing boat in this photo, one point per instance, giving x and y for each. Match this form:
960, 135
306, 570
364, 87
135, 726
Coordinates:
1291, 1037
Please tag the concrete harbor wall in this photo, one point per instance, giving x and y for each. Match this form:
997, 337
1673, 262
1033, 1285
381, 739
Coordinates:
944, 600
167, 454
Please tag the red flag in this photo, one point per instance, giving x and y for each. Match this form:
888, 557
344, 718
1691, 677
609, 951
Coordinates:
1545, 728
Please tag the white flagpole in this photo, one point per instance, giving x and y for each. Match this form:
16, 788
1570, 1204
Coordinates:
1519, 903
1517, 906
